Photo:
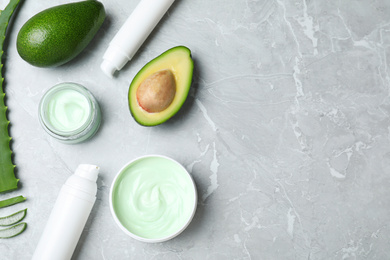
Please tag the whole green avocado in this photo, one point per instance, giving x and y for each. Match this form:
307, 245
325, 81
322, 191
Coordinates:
58, 34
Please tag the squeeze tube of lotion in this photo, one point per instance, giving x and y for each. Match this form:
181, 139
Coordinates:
133, 33
69, 215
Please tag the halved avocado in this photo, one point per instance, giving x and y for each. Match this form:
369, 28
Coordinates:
160, 88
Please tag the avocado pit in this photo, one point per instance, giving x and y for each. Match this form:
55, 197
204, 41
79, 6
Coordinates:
157, 91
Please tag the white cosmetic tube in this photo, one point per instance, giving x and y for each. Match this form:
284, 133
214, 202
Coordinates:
133, 33
69, 215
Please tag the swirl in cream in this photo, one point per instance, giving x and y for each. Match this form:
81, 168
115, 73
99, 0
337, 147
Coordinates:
154, 197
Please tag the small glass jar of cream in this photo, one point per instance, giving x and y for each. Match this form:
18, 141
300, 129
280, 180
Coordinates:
70, 113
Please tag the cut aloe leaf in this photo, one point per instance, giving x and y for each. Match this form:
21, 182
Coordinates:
13, 219
13, 231
11, 201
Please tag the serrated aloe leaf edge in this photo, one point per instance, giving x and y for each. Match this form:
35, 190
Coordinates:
8, 181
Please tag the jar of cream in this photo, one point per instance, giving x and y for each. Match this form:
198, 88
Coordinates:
153, 198
70, 113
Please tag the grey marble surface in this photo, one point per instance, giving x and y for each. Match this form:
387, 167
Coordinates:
285, 131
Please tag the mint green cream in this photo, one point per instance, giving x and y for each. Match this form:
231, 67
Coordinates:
153, 198
69, 112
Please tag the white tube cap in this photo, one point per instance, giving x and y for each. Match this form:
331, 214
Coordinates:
88, 171
108, 68
113, 59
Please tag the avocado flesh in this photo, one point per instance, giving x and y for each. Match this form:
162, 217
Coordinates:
177, 60
56, 35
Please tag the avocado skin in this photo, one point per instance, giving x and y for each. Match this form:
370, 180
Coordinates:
58, 34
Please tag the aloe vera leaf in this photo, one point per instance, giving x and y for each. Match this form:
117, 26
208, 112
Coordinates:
8, 181
13, 218
13, 230
11, 201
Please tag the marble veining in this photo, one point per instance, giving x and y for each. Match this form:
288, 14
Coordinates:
286, 131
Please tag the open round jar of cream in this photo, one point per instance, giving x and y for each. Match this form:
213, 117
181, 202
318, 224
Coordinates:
153, 198
69, 113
